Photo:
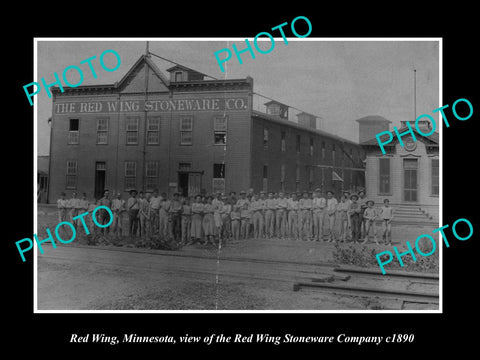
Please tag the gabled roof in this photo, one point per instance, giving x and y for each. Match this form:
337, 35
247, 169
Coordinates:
274, 102
139, 63
432, 140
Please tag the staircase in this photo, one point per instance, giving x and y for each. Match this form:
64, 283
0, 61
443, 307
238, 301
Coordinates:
412, 215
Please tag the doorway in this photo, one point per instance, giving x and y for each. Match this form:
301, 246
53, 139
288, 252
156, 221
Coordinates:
183, 183
410, 183
189, 182
100, 170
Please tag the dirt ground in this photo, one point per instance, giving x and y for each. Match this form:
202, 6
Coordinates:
242, 276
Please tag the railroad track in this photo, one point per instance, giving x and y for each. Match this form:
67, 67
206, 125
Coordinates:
400, 289
396, 290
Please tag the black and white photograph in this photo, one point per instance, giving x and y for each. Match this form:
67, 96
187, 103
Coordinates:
207, 179
231, 175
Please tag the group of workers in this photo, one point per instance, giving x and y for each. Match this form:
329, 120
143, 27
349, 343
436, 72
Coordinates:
209, 219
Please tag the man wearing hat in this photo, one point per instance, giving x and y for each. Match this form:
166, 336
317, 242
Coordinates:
217, 209
348, 202
270, 206
163, 215
133, 207
155, 202
118, 207
331, 210
232, 198
281, 215
104, 215
362, 201
256, 206
225, 216
175, 217
292, 209
354, 214
318, 214
72, 207
244, 204
305, 217
370, 215
243, 199
62, 208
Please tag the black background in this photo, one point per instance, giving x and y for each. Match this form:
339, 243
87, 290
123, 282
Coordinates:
50, 333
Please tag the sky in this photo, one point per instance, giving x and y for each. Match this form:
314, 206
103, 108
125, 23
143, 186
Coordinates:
339, 81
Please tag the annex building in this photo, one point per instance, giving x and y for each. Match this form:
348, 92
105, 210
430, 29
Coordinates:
178, 131
406, 175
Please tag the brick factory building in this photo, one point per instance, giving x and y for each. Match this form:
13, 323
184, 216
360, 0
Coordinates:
186, 133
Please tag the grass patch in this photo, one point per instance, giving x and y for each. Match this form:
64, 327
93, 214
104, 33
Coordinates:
362, 256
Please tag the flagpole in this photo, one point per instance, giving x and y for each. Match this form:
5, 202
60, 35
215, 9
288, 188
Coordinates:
414, 94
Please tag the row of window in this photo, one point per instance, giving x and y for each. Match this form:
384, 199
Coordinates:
130, 174
153, 130
298, 141
309, 176
410, 167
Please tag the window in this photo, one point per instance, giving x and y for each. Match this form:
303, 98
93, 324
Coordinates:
73, 133
130, 174
153, 130
71, 182
298, 143
265, 137
178, 76
102, 130
184, 166
265, 178
220, 130
283, 143
323, 150
435, 177
384, 180
333, 153
218, 182
151, 175
282, 177
186, 129
132, 130
311, 146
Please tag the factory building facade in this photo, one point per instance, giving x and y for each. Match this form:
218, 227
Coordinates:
185, 133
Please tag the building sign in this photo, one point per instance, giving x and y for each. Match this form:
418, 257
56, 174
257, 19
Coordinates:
127, 106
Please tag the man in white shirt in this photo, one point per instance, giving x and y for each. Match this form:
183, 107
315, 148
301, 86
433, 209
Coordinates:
133, 207
331, 209
118, 207
281, 215
72, 206
318, 213
62, 208
155, 202
163, 215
